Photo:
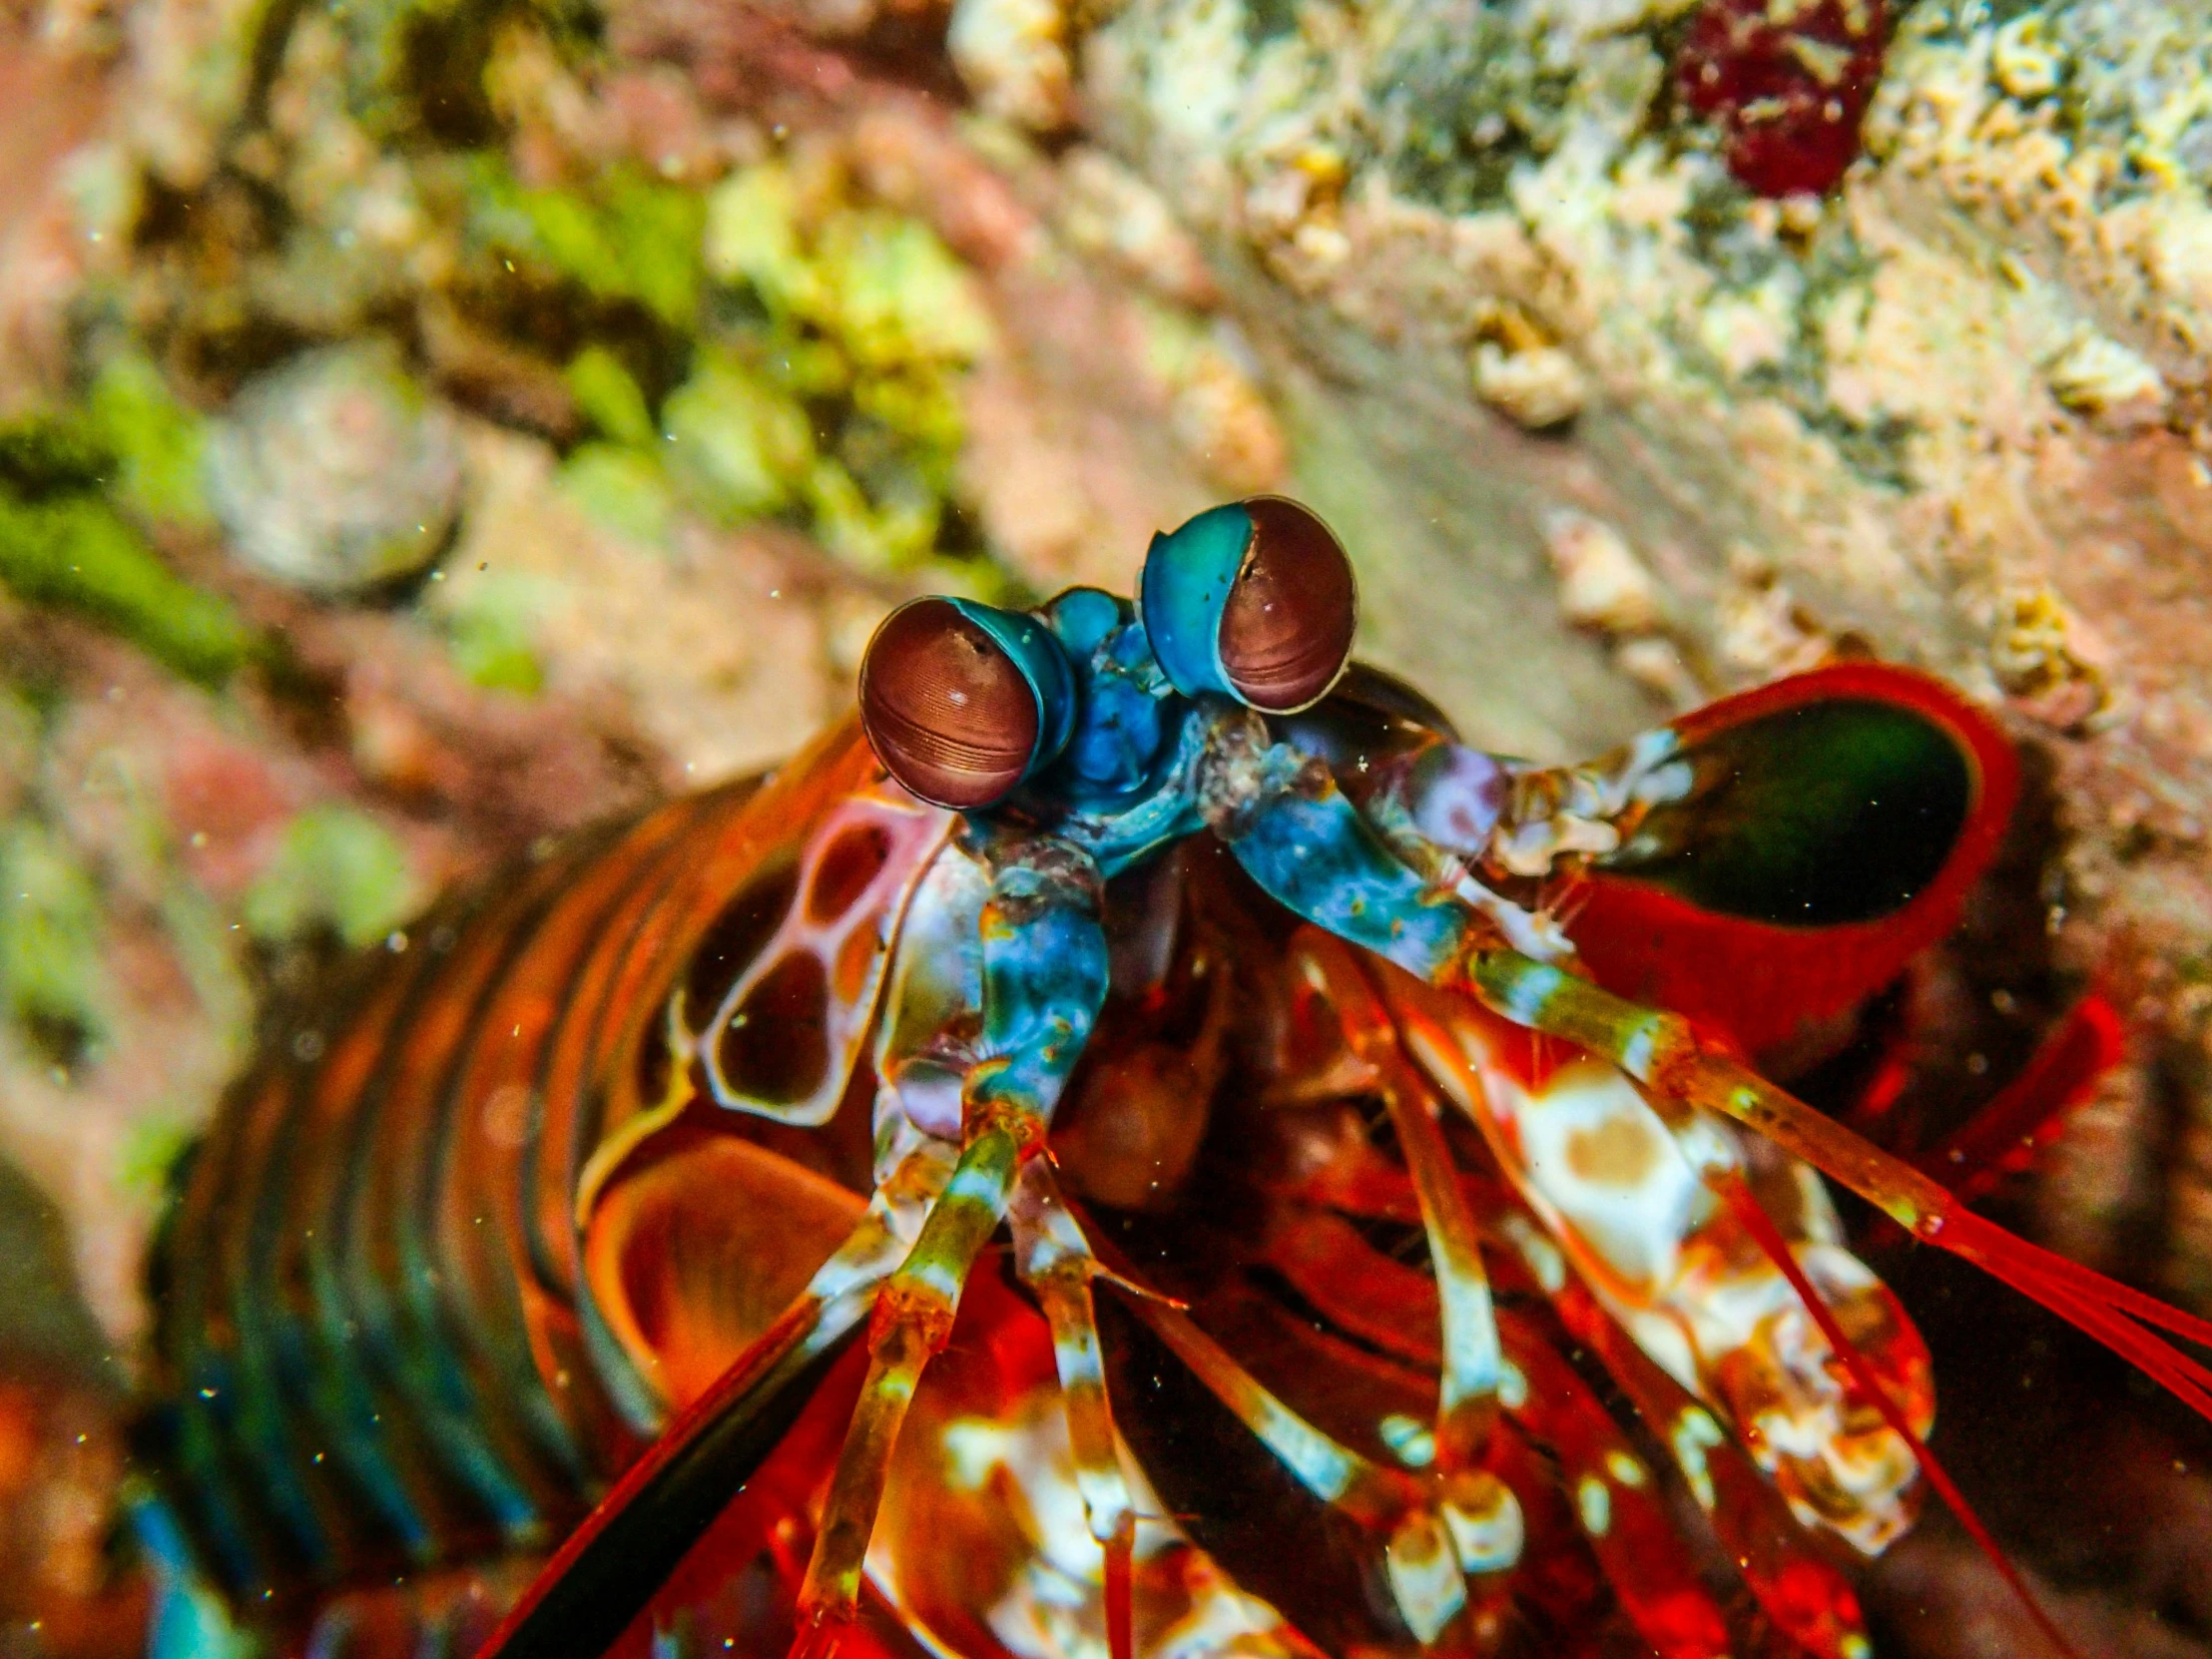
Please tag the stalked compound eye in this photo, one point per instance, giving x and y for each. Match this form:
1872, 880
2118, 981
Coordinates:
1255, 600
961, 700
1286, 633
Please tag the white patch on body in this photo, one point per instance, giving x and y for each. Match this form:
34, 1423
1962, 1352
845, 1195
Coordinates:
1603, 1161
1052, 1607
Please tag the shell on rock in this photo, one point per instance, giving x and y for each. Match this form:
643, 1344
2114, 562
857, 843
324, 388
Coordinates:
335, 473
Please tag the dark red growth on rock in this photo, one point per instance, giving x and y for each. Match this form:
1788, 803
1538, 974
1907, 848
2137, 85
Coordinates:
1788, 82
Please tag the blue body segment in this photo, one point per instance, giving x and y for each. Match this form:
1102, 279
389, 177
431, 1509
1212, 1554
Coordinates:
1086, 619
1188, 575
1316, 857
1158, 748
1119, 719
1044, 980
1121, 828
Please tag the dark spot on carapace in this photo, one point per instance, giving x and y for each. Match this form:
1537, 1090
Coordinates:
746, 924
852, 861
654, 1060
775, 1047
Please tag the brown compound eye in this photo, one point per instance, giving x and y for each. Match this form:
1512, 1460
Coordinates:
948, 711
1286, 631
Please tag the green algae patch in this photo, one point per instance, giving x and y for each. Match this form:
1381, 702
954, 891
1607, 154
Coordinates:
824, 346
158, 442
609, 396
76, 553
62, 542
151, 1152
44, 456
895, 295
337, 868
752, 236
490, 633
623, 489
741, 443
832, 392
624, 236
51, 982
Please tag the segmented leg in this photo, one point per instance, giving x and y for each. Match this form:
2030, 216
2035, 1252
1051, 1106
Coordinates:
912, 1318
1617, 1502
1808, 1599
1755, 1222
1428, 1593
1468, 1385
1619, 1509
1309, 847
1663, 1052
1045, 979
607, 1567
1393, 1306
1056, 1263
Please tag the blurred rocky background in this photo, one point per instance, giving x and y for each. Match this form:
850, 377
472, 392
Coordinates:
428, 425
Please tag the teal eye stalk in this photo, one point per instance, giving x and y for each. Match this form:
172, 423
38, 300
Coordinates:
1254, 600
962, 701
